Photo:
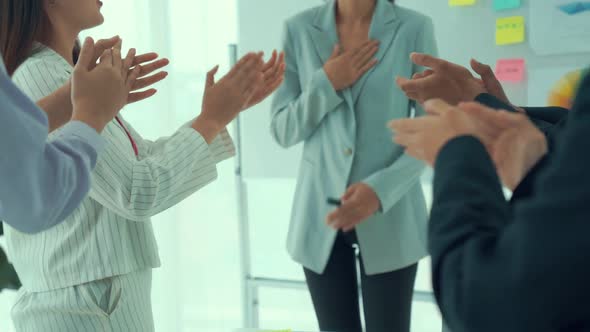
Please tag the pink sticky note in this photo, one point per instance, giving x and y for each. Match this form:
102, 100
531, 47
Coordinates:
510, 70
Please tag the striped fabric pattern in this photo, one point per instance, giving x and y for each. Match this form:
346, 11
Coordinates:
110, 234
120, 304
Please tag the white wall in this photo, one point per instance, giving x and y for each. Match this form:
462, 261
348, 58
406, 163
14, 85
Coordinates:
260, 27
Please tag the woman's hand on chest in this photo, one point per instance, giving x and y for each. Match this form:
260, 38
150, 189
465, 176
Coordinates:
345, 68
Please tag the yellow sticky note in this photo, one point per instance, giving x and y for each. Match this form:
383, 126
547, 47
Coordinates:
510, 30
456, 3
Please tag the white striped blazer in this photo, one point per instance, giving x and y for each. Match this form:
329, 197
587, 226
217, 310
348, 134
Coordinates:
111, 233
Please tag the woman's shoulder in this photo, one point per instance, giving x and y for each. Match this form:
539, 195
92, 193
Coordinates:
41, 74
43, 59
31, 66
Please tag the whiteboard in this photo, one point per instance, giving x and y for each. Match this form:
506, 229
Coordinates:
462, 33
560, 26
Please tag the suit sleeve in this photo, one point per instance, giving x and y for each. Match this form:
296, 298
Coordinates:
222, 147
392, 183
543, 117
526, 186
166, 172
548, 114
540, 121
524, 265
298, 110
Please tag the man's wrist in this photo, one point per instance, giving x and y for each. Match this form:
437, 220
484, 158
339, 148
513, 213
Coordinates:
474, 92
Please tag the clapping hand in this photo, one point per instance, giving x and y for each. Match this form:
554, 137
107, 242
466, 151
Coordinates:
443, 80
517, 145
145, 64
513, 142
99, 91
274, 73
224, 100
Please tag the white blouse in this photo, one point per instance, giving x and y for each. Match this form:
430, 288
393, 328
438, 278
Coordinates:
111, 233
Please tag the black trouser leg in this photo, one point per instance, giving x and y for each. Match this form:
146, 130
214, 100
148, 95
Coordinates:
335, 292
387, 299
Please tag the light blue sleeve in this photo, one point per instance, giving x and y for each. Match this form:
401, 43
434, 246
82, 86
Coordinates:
297, 111
42, 183
392, 183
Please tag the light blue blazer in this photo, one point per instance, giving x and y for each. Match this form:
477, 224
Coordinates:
346, 140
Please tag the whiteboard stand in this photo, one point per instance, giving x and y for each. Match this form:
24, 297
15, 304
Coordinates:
249, 291
250, 283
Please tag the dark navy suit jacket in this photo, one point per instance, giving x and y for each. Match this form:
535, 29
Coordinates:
523, 265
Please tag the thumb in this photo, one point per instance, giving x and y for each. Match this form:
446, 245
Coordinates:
86, 54
485, 71
211, 76
335, 52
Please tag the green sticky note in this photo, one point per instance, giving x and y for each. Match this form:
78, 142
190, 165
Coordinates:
500, 5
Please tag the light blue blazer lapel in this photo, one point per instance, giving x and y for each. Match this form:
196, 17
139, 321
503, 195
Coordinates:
324, 36
383, 28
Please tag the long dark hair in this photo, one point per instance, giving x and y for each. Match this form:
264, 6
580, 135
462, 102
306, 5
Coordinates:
22, 23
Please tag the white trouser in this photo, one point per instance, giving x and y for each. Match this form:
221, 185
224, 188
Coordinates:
116, 304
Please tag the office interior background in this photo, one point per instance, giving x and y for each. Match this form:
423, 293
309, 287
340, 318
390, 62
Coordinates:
199, 286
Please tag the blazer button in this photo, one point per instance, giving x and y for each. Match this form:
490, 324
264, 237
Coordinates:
348, 152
